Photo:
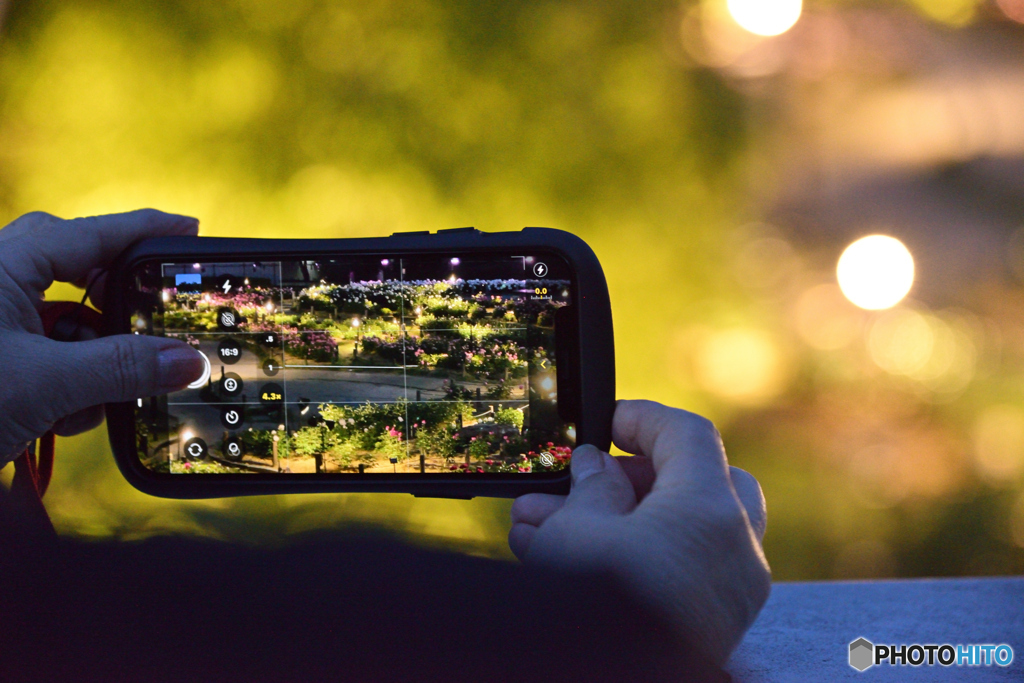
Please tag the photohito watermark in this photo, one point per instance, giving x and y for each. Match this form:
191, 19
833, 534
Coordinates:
864, 654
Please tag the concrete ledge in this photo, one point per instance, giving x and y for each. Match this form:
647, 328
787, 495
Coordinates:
806, 628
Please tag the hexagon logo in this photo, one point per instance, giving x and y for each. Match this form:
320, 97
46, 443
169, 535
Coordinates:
862, 654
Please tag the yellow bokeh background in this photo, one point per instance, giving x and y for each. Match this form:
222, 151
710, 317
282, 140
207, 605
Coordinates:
683, 149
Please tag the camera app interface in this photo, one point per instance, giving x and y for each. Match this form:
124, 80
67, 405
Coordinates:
363, 365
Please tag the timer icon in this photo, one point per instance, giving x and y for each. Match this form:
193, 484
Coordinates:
231, 418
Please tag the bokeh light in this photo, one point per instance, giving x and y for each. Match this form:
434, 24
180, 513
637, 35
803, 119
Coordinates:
938, 353
901, 342
711, 36
1014, 9
825, 319
876, 272
740, 365
766, 17
951, 12
878, 476
766, 263
999, 444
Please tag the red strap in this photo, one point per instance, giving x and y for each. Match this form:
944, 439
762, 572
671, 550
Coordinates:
33, 471
44, 465
30, 481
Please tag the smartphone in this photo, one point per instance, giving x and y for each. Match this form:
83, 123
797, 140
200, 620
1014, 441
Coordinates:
451, 364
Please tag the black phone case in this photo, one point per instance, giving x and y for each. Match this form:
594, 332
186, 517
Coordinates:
592, 374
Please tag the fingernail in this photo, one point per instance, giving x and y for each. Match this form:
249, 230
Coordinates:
586, 461
187, 223
178, 366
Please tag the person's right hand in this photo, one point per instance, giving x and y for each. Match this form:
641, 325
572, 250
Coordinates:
679, 527
63, 385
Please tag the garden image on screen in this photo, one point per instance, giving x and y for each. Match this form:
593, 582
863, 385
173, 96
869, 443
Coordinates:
357, 365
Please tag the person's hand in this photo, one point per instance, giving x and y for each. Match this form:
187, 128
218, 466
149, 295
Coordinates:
679, 527
63, 385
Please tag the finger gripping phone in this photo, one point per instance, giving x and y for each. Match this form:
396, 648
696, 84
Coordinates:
454, 364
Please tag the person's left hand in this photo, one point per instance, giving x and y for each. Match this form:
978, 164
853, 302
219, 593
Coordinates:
63, 385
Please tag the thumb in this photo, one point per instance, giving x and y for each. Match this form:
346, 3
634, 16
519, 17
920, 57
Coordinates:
114, 369
750, 495
599, 484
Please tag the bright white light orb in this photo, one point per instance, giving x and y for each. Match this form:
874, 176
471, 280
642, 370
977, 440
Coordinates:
876, 272
766, 17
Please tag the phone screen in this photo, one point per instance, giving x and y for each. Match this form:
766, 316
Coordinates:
361, 365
